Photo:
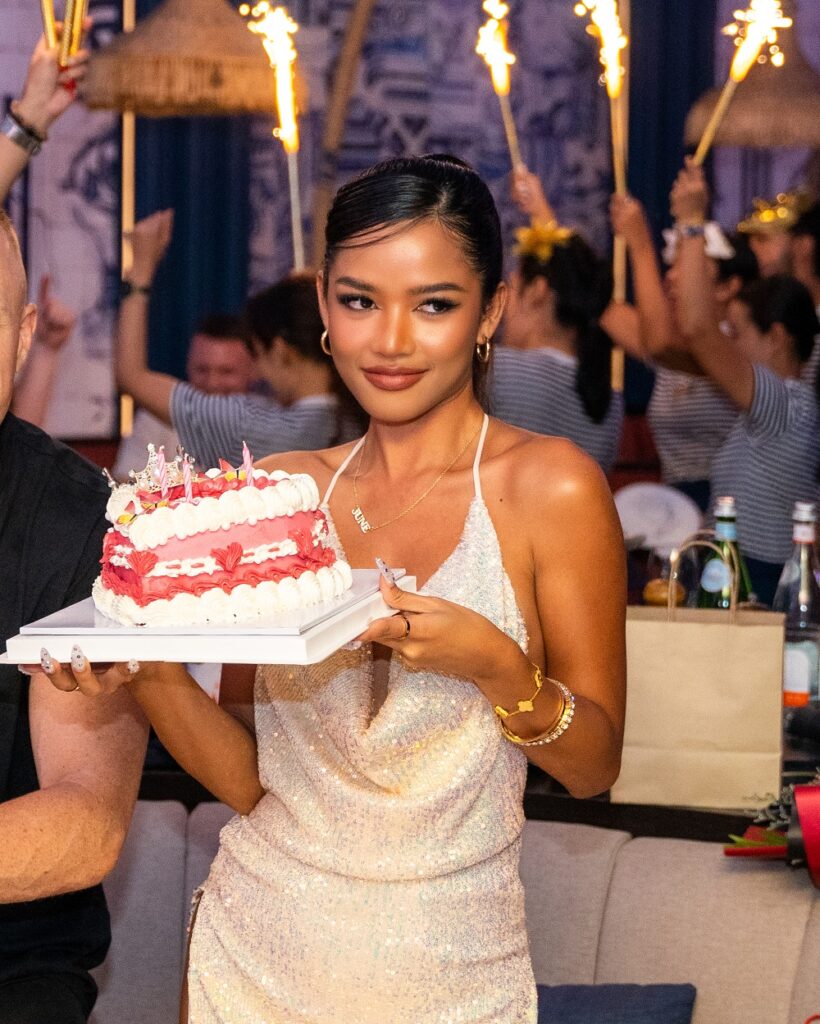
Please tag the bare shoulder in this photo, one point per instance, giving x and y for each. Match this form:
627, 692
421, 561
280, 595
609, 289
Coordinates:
321, 465
544, 473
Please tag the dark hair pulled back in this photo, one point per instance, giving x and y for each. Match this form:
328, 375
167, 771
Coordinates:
409, 190
582, 284
784, 300
289, 310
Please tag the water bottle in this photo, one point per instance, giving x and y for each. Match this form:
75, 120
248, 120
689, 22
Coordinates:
798, 596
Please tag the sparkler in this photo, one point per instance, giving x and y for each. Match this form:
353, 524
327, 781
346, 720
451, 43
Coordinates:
492, 46
49, 28
606, 27
754, 29
275, 26
72, 26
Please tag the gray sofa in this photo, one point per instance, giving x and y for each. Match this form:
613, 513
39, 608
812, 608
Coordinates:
601, 907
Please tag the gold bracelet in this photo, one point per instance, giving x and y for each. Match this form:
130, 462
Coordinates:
562, 723
524, 706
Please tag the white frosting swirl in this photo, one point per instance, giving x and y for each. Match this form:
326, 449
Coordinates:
244, 604
285, 495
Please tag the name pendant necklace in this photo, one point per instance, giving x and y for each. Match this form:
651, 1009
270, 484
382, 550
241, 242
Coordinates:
367, 527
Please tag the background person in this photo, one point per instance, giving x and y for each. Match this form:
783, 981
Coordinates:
770, 459
286, 336
69, 768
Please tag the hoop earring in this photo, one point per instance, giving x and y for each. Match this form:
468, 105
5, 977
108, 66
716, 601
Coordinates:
324, 343
483, 350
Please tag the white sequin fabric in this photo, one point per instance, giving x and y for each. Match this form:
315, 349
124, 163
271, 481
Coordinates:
376, 882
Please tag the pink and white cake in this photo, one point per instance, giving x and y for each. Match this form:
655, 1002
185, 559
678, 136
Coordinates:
228, 546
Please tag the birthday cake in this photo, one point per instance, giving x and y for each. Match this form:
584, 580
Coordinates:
223, 547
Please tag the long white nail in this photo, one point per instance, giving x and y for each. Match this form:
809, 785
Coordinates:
78, 662
46, 662
133, 666
386, 571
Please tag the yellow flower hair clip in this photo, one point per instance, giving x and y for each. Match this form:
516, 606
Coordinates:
540, 239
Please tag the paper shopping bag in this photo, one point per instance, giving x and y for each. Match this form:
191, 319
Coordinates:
704, 709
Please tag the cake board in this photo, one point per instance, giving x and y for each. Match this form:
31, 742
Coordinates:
301, 637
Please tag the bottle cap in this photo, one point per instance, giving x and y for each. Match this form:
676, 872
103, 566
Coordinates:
725, 507
805, 512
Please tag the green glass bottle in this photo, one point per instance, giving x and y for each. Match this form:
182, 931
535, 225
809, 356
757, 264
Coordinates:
715, 580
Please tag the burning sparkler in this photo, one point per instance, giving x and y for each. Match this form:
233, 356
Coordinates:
492, 46
276, 27
755, 30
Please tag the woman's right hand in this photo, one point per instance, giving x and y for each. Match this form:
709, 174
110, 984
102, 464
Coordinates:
80, 674
528, 195
629, 220
149, 242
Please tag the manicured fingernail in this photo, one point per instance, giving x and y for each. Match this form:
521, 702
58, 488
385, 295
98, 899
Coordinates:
386, 571
46, 663
78, 662
133, 666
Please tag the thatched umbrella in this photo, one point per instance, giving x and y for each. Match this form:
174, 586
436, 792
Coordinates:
772, 107
188, 57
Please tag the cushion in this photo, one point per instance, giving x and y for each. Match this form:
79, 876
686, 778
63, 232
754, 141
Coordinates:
615, 1004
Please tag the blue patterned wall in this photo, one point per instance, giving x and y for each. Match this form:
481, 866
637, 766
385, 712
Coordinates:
421, 88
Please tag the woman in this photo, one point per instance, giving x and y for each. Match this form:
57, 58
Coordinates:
689, 415
372, 873
286, 328
553, 373
770, 458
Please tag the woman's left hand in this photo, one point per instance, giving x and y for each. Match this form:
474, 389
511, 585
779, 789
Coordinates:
429, 632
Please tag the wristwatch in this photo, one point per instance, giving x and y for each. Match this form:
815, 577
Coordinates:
691, 230
20, 135
129, 288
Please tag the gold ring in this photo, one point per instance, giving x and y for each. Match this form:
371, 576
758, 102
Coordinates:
406, 621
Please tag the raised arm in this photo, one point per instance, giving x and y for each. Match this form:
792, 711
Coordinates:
212, 743
47, 93
33, 390
150, 240
67, 835
698, 323
527, 193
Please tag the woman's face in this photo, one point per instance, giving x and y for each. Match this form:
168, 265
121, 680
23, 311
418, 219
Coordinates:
754, 344
404, 314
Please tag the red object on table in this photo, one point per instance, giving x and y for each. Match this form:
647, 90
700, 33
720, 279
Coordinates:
807, 801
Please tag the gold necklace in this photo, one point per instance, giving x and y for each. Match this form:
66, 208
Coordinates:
359, 516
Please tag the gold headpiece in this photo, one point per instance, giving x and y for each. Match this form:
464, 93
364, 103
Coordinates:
540, 239
781, 214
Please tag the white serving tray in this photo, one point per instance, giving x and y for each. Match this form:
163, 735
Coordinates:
296, 638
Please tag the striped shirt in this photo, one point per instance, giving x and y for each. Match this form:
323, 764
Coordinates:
213, 427
769, 462
535, 389
690, 418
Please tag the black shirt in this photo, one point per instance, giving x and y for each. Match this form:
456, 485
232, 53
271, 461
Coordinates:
52, 505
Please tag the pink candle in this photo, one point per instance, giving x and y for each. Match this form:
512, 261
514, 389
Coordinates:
247, 465
162, 472
187, 481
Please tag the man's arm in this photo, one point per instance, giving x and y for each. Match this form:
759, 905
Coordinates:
89, 755
46, 94
150, 239
33, 389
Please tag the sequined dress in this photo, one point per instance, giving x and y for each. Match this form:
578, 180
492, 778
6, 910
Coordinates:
376, 882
